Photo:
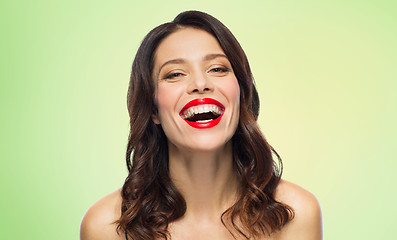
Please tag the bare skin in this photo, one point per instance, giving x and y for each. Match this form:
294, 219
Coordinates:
190, 64
206, 181
98, 224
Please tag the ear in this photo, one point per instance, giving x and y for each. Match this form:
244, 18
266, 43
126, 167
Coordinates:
155, 119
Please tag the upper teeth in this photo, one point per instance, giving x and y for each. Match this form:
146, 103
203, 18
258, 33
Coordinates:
202, 109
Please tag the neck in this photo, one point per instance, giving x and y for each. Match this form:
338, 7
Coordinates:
206, 180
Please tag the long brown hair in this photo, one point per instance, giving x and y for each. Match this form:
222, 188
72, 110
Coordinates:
150, 199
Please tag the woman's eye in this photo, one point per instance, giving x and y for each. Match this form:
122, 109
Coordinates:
173, 75
219, 70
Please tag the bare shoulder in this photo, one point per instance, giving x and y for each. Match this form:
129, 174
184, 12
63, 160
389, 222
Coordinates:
98, 222
307, 223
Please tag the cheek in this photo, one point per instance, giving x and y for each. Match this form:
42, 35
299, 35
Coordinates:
162, 100
232, 91
167, 97
237, 92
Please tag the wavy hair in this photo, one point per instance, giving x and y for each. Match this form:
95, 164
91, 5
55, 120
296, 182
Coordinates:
150, 200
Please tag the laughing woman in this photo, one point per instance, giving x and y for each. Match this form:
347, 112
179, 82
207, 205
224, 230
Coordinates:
199, 167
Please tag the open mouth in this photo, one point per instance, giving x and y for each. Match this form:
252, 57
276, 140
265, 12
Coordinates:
202, 112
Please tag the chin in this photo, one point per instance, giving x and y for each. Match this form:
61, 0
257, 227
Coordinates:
208, 144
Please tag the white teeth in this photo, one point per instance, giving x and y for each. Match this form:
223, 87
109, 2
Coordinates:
203, 121
202, 109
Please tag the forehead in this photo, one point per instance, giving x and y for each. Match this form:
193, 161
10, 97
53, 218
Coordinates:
187, 43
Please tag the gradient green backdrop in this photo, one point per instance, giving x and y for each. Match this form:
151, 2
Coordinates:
326, 72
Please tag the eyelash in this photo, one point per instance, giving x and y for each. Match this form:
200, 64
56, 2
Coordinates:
173, 75
215, 70
220, 69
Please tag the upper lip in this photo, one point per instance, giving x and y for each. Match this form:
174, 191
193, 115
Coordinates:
201, 101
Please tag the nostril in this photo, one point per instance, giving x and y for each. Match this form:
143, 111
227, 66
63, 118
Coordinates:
196, 90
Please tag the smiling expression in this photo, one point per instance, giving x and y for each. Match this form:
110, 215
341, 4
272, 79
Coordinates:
197, 92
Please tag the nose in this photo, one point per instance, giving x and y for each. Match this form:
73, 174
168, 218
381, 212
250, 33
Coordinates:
199, 83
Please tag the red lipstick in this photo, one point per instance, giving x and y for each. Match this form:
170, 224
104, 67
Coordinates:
203, 101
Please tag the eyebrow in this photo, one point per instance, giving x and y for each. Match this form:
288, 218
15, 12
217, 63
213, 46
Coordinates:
213, 56
207, 57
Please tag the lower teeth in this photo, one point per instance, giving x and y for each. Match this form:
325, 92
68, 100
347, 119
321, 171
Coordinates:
204, 121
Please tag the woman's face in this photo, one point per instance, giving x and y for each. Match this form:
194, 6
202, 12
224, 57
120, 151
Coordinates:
197, 93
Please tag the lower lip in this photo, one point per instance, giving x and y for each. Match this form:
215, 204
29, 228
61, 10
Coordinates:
202, 125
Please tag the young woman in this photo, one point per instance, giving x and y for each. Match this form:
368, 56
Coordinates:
199, 167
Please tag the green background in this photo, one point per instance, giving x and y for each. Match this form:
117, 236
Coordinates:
326, 72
